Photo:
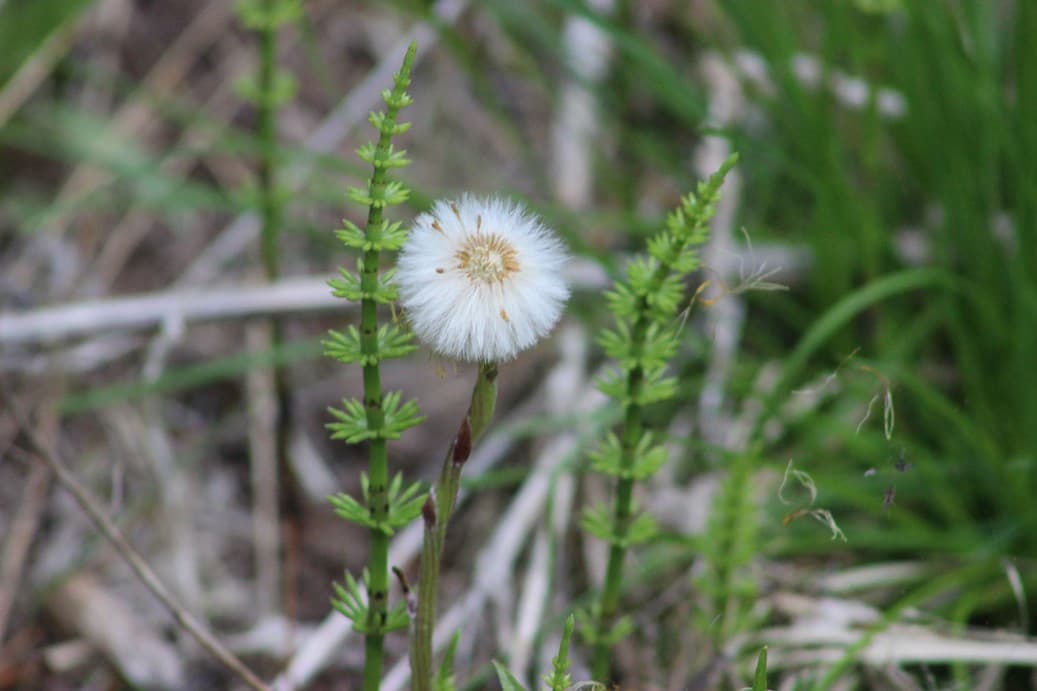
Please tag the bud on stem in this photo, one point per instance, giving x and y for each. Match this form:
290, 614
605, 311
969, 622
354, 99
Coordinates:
428, 511
437, 511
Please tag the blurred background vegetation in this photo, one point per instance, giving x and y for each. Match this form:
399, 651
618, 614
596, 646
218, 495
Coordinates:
881, 264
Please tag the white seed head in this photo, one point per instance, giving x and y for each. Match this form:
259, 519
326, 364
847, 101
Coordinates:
481, 279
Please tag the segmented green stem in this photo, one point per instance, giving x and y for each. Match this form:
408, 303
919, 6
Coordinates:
624, 494
270, 207
378, 462
685, 228
437, 515
267, 92
559, 679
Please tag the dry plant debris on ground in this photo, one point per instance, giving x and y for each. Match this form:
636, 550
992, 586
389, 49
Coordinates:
133, 284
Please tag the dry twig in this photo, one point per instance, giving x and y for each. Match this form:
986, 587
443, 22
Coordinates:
113, 534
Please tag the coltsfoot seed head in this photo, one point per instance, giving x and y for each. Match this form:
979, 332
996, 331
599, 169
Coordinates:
481, 279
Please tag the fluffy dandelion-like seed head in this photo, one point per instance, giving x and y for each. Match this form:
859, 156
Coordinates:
481, 279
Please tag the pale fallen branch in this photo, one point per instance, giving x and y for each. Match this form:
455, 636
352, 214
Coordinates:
51, 324
824, 628
871, 576
177, 308
899, 646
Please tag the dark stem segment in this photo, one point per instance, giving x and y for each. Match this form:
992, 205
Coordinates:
437, 512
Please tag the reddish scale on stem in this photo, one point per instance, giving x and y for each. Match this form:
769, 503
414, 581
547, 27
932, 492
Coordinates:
428, 512
463, 443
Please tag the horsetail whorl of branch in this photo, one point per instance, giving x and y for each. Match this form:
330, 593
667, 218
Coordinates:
646, 305
385, 505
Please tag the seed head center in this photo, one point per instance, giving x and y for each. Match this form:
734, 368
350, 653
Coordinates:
487, 258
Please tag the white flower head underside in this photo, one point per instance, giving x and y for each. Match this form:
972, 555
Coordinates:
481, 279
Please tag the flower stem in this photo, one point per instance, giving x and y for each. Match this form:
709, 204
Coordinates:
424, 621
437, 515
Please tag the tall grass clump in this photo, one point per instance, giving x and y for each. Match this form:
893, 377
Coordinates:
921, 228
